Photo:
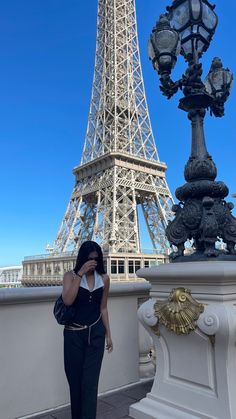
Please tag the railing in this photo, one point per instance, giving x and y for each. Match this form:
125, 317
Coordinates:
49, 280
49, 256
32, 378
10, 284
70, 254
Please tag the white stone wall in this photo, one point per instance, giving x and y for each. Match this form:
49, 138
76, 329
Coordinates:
31, 348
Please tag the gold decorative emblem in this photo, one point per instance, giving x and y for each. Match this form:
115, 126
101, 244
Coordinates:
179, 312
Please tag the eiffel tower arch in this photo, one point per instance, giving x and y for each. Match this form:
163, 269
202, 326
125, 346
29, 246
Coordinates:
120, 169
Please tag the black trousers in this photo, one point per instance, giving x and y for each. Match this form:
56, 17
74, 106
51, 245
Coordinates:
82, 360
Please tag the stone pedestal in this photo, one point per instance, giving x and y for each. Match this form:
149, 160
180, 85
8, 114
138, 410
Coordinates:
196, 372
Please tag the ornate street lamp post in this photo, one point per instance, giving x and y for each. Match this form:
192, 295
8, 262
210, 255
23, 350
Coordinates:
202, 215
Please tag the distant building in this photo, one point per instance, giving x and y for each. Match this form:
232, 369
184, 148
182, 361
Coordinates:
10, 276
46, 270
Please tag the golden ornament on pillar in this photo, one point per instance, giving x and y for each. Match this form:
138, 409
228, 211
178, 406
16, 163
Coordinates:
179, 313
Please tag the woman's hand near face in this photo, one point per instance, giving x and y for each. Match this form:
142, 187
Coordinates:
90, 265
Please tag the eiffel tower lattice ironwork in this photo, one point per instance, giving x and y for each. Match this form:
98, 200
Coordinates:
120, 168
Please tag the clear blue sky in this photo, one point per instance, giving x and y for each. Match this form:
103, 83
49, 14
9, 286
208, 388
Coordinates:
47, 52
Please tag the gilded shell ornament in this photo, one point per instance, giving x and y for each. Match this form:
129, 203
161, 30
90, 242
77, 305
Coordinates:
179, 313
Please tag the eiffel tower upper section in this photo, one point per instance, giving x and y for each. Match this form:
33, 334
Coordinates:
118, 118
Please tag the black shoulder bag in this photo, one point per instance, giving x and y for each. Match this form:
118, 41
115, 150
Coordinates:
63, 314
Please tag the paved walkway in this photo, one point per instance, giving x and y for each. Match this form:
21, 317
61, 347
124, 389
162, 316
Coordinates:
112, 406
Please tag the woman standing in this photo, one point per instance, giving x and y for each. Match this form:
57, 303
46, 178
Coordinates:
86, 287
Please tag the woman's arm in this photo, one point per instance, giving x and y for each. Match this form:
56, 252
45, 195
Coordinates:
71, 282
104, 312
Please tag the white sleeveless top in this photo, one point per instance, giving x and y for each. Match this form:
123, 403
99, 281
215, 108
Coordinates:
98, 282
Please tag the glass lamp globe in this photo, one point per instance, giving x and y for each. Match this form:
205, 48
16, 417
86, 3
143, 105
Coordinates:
164, 46
219, 80
196, 22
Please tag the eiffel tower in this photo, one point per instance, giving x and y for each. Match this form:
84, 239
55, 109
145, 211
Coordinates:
120, 168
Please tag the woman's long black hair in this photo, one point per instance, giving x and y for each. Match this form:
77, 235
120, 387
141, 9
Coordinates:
85, 249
